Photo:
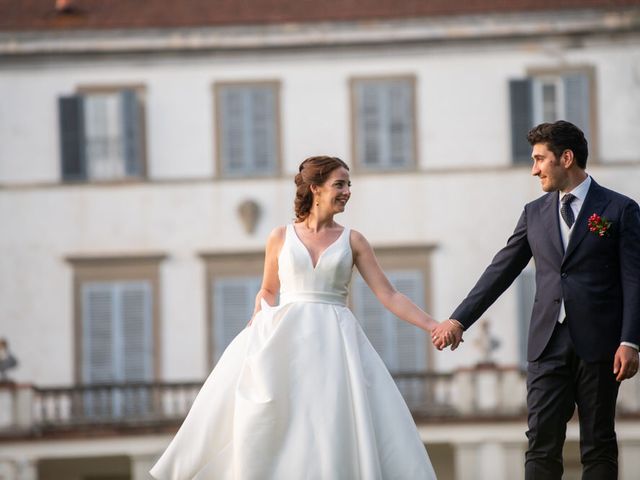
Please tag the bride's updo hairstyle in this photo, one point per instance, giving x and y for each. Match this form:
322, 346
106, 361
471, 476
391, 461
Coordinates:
313, 171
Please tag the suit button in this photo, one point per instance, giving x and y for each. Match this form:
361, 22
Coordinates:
564, 275
556, 301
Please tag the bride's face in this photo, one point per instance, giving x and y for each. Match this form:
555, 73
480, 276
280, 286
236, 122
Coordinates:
335, 192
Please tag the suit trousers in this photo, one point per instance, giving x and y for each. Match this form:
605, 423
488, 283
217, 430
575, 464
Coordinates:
556, 382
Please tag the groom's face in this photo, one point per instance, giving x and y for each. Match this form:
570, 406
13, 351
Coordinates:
548, 168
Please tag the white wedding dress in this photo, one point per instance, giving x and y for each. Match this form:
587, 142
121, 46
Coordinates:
300, 394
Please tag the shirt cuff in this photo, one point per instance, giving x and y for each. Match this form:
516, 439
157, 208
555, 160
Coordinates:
629, 344
456, 323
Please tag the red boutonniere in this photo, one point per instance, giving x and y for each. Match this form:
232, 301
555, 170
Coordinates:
599, 225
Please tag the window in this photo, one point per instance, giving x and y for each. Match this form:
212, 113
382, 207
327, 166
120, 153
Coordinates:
233, 281
233, 303
116, 333
248, 133
384, 123
401, 346
102, 135
547, 97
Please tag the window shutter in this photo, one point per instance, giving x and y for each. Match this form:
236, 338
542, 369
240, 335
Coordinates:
370, 124
137, 334
263, 133
72, 137
411, 341
99, 306
233, 302
520, 92
401, 124
401, 346
526, 297
384, 127
248, 130
131, 132
373, 318
578, 102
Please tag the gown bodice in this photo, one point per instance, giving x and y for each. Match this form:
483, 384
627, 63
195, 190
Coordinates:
328, 282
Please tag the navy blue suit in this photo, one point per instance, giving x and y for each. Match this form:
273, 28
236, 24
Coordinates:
599, 280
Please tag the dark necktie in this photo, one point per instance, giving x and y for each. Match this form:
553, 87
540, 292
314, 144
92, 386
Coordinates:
565, 209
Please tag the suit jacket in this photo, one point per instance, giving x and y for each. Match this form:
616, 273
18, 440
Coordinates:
598, 277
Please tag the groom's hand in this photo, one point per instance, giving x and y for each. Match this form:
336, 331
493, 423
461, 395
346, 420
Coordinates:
625, 362
447, 333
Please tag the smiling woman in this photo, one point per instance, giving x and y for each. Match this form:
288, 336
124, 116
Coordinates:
301, 392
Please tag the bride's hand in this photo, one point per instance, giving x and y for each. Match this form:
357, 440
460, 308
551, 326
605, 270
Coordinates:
445, 334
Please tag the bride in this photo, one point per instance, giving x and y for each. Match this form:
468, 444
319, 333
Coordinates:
301, 393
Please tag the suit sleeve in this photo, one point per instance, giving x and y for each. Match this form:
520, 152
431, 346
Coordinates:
630, 273
499, 275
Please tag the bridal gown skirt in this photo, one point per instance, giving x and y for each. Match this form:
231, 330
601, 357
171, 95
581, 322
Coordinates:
300, 394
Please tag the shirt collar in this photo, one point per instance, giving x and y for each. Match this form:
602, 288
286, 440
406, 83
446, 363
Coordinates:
580, 192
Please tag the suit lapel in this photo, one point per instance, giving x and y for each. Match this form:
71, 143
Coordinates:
595, 202
550, 216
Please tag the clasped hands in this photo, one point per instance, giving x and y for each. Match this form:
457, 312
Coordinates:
447, 333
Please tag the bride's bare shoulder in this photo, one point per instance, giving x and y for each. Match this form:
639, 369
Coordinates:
357, 240
276, 237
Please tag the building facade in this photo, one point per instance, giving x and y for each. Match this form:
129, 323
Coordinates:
146, 154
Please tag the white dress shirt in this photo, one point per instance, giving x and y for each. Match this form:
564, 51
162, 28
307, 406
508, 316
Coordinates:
580, 192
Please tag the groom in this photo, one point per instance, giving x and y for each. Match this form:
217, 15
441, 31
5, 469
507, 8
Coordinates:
585, 326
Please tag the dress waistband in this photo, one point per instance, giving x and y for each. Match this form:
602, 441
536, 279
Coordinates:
314, 297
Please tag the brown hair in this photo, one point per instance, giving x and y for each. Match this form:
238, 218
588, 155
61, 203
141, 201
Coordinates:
560, 136
313, 171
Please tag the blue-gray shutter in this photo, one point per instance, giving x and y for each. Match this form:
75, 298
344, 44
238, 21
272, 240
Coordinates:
401, 119
248, 121
578, 101
385, 119
131, 133
117, 345
521, 101
526, 296
72, 137
370, 126
401, 346
233, 303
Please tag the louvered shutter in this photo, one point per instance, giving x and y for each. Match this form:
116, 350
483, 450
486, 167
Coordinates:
374, 320
98, 313
248, 130
578, 101
117, 345
526, 298
400, 124
521, 102
72, 137
99, 306
384, 123
136, 332
233, 303
400, 345
410, 341
370, 124
131, 132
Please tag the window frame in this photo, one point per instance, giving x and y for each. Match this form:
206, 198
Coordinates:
536, 73
217, 87
87, 269
140, 92
226, 265
358, 166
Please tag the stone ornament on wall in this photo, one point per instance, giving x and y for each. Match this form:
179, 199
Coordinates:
249, 212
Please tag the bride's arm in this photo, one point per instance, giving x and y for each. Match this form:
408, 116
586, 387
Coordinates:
270, 281
397, 303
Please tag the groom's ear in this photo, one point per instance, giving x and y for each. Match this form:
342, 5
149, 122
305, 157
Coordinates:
567, 159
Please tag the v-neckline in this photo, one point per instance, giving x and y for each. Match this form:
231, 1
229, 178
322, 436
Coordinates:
322, 253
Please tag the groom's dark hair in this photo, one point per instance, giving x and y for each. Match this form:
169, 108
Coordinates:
560, 136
